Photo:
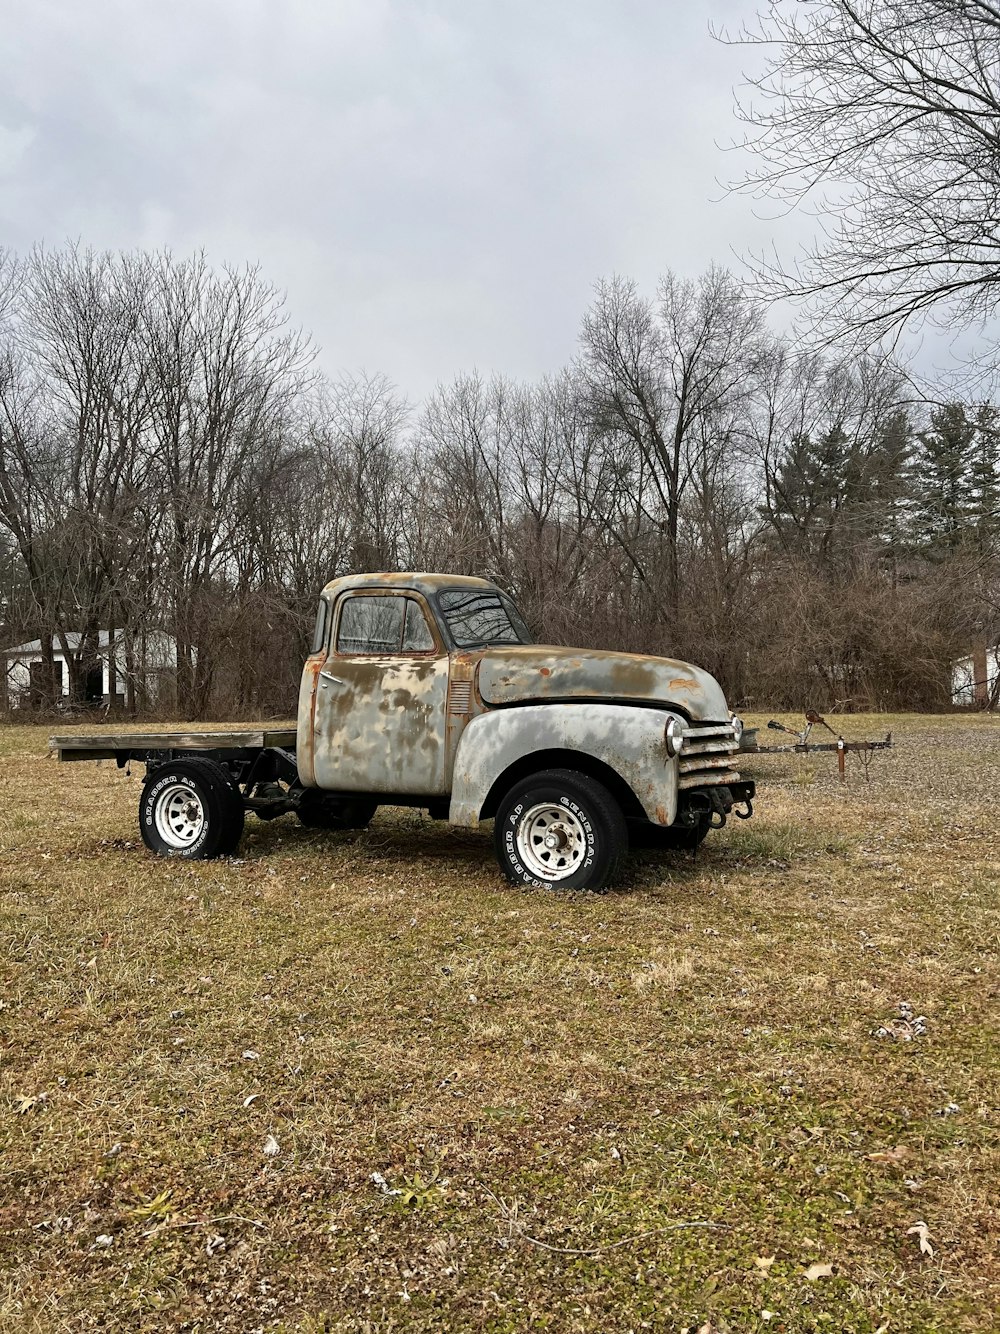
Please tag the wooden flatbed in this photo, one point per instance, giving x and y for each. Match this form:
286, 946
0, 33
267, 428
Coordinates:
124, 746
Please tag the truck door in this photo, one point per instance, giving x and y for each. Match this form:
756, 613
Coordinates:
381, 698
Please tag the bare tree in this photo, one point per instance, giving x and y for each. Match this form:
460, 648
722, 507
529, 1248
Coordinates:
891, 108
226, 370
74, 406
665, 378
362, 420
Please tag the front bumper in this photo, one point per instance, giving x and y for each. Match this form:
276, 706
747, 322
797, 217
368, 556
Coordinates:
716, 802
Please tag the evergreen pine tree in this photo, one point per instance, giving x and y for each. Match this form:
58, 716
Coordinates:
942, 487
984, 478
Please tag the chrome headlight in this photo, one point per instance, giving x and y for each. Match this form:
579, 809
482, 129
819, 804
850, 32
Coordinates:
673, 736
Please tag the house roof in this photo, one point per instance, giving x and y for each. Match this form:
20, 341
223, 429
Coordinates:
993, 651
73, 638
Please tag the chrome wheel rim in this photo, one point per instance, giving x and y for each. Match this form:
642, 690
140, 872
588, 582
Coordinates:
551, 841
179, 816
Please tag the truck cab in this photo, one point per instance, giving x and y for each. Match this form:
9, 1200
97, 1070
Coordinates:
427, 690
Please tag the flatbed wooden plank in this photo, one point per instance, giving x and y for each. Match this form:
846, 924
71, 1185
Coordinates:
91, 746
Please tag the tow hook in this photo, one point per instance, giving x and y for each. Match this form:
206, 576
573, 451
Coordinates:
744, 815
719, 810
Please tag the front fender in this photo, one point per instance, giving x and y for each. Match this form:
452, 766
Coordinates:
627, 738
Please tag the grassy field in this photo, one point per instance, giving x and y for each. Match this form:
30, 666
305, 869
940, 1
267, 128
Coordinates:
356, 1082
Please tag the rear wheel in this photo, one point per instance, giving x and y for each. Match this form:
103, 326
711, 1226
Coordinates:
321, 810
191, 809
560, 829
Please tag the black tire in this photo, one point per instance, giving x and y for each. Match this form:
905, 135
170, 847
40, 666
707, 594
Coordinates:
578, 810
320, 810
211, 822
674, 838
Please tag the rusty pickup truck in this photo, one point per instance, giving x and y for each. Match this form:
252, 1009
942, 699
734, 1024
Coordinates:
426, 690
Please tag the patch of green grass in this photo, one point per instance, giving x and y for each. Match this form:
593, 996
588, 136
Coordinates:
656, 1108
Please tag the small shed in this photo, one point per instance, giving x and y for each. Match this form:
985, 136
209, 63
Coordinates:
155, 670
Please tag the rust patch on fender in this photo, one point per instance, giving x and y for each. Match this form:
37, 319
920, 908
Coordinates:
683, 683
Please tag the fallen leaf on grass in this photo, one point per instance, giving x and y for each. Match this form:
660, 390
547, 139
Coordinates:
922, 1232
819, 1271
896, 1155
214, 1244
271, 1147
251, 1056
24, 1102
250, 1100
764, 1262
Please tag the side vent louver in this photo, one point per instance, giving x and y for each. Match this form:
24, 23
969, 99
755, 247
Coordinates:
460, 697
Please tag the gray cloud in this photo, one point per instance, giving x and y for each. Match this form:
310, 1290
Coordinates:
437, 183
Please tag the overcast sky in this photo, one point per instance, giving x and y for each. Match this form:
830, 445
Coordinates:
436, 183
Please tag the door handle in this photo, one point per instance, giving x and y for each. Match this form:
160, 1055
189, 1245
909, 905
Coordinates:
328, 678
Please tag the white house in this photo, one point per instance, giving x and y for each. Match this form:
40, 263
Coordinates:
975, 680
155, 671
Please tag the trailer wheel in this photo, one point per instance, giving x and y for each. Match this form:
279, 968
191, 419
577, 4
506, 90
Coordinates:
560, 829
321, 810
191, 809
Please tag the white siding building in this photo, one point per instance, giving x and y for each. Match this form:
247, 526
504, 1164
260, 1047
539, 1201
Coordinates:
155, 669
975, 680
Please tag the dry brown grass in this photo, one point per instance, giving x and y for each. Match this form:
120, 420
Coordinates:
601, 1111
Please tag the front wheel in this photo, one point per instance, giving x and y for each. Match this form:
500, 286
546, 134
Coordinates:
560, 829
190, 809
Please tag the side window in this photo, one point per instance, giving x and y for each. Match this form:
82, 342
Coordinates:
370, 625
319, 630
417, 637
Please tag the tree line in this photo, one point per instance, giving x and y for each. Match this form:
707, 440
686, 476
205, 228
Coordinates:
800, 522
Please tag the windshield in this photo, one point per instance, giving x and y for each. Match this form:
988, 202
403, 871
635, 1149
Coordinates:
478, 616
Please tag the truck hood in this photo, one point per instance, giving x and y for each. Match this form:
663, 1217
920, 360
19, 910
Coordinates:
538, 672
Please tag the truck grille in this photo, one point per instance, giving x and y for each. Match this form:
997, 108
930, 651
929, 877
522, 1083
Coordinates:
706, 758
